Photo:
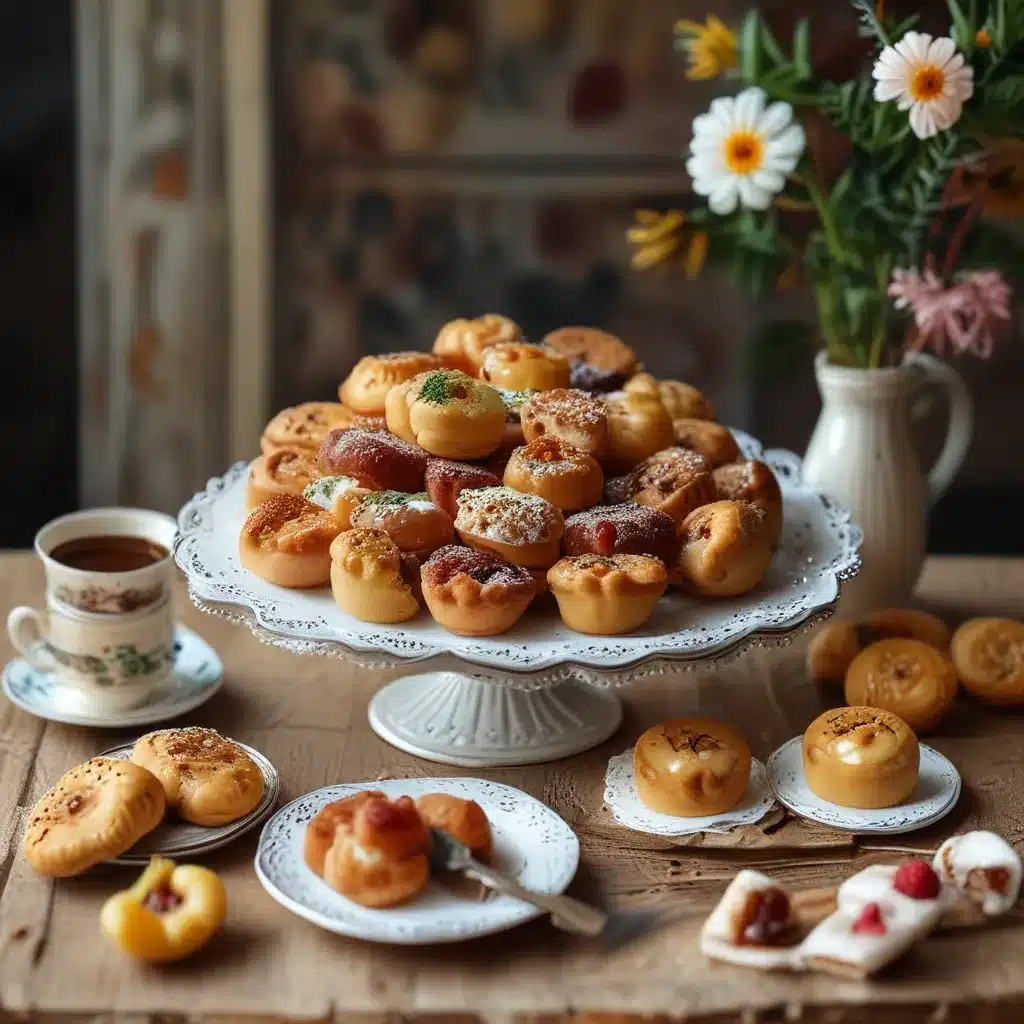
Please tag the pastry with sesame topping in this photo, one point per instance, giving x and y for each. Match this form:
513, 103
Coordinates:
304, 426
517, 365
523, 529
366, 387
461, 344
372, 579
675, 481
553, 469
753, 481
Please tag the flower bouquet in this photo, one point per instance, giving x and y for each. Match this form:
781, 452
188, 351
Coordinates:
889, 235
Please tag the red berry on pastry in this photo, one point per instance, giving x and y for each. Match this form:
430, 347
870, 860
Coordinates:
604, 537
916, 879
765, 919
870, 921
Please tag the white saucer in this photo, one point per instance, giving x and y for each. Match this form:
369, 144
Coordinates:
197, 676
177, 838
531, 843
936, 794
620, 796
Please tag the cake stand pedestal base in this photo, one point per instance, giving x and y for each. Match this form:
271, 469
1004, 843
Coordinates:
474, 722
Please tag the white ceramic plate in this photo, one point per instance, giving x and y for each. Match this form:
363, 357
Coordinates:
627, 809
936, 794
177, 838
531, 843
197, 676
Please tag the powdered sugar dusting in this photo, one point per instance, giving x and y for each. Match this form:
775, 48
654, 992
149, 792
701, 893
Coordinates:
448, 562
507, 516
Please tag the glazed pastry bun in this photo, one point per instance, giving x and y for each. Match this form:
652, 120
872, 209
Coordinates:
285, 471
861, 757
334, 820
518, 366
753, 481
372, 579
989, 656
691, 767
725, 549
366, 387
304, 426
463, 820
461, 344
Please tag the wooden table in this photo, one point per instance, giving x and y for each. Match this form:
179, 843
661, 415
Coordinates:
309, 716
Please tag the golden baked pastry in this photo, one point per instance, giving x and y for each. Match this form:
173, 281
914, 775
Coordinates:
599, 361
989, 657
446, 480
638, 426
518, 366
412, 521
304, 426
753, 481
909, 678
334, 818
447, 413
684, 401
372, 579
709, 439
691, 767
566, 476
206, 778
461, 344
94, 812
475, 593
627, 529
375, 460
572, 415
285, 471
286, 540
607, 595
861, 757
464, 820
523, 529
724, 549
338, 495
675, 481
836, 644
366, 387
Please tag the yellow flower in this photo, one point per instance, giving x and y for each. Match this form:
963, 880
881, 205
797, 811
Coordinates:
711, 47
662, 238
982, 39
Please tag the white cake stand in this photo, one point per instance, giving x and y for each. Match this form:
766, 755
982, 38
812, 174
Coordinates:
539, 692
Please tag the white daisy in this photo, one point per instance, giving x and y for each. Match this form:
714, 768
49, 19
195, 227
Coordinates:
741, 152
927, 76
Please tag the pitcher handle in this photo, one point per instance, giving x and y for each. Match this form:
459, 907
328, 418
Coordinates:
961, 422
26, 630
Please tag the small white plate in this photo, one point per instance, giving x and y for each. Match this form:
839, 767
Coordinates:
178, 838
627, 808
197, 676
531, 844
936, 794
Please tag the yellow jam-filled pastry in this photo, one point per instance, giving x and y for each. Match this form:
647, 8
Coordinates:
675, 481
304, 426
989, 657
94, 812
372, 579
461, 344
448, 414
366, 387
412, 521
286, 540
552, 468
570, 414
724, 549
285, 471
691, 767
338, 495
861, 757
907, 677
709, 439
638, 426
753, 481
517, 366
523, 529
599, 361
605, 595
464, 820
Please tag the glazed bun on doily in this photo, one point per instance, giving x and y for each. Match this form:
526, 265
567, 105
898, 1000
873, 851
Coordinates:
606, 595
286, 540
285, 471
448, 414
675, 481
335, 819
752, 480
724, 549
691, 767
379, 462
570, 414
366, 387
475, 593
989, 656
552, 468
518, 366
412, 521
304, 426
599, 361
638, 426
447, 479
461, 344
523, 529
711, 440
861, 757
464, 820
627, 529
372, 579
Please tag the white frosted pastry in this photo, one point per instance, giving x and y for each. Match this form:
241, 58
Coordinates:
752, 925
337, 494
984, 867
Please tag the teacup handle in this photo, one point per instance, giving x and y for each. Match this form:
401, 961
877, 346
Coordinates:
25, 627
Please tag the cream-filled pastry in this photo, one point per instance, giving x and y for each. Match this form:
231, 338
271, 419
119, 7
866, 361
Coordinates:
984, 867
337, 494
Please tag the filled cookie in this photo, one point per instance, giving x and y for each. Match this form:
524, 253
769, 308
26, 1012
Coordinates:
627, 529
206, 778
555, 470
607, 595
366, 387
989, 657
724, 549
94, 812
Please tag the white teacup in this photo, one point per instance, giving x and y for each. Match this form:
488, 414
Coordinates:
108, 636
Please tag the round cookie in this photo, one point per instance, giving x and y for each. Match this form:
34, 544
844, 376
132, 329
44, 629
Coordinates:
95, 811
206, 778
907, 677
989, 657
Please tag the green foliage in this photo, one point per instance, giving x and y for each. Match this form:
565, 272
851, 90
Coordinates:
775, 348
763, 62
748, 244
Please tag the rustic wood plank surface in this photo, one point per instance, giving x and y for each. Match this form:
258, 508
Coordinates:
309, 716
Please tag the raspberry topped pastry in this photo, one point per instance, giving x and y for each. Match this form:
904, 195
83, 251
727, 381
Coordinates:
523, 529
461, 344
377, 461
366, 387
475, 593
566, 476
574, 416
517, 365
628, 529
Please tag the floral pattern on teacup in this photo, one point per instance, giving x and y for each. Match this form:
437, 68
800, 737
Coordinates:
120, 664
109, 600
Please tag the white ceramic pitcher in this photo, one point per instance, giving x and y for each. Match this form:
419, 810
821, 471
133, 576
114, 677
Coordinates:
862, 453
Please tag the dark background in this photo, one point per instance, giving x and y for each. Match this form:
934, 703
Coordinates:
38, 330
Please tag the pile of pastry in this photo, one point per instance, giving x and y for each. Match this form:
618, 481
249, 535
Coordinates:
474, 478
878, 914
102, 808
374, 851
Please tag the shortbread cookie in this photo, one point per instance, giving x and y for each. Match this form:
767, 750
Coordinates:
207, 779
94, 812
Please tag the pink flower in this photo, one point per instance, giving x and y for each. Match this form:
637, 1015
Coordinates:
964, 313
